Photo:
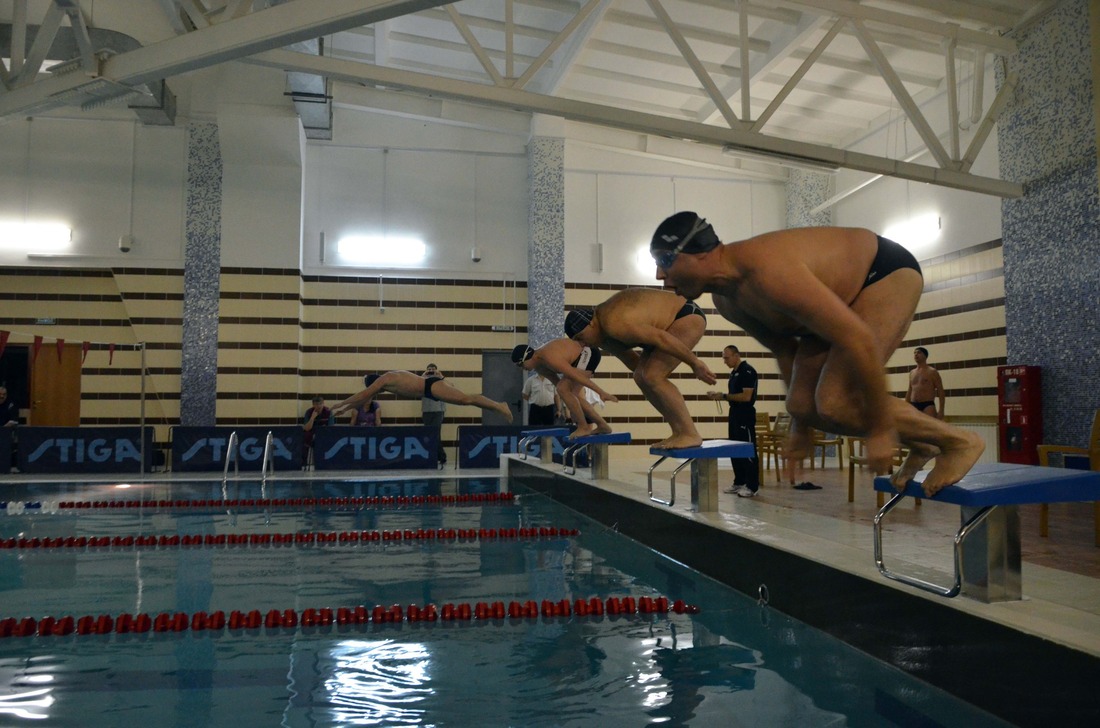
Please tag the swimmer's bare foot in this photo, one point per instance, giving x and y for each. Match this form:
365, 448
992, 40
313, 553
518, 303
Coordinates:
953, 462
919, 455
583, 431
604, 430
679, 441
504, 410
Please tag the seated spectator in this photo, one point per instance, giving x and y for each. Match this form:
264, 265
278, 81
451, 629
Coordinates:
368, 413
9, 411
318, 415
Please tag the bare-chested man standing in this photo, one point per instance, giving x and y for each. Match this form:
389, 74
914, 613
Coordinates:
832, 304
666, 327
570, 364
925, 386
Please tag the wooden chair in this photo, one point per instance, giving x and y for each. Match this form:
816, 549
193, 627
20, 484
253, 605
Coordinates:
857, 457
1092, 452
772, 448
763, 433
824, 441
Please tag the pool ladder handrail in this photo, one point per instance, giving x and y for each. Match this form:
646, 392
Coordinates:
232, 451
269, 456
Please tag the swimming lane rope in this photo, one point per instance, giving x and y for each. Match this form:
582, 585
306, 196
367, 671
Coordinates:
343, 618
303, 538
349, 501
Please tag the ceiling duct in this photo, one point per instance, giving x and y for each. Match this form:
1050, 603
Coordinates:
153, 103
311, 94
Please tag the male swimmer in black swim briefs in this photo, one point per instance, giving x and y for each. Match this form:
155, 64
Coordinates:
570, 364
665, 327
832, 304
413, 386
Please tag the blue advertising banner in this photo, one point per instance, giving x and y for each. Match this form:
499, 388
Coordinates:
481, 447
196, 449
5, 450
375, 448
83, 449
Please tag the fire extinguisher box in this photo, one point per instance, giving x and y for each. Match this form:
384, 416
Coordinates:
1020, 413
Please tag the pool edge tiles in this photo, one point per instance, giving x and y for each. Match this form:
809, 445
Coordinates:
990, 665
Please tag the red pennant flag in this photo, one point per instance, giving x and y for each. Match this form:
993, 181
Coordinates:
110, 353
60, 349
84, 351
35, 348
3, 341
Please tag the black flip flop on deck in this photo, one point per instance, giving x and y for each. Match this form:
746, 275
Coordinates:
807, 485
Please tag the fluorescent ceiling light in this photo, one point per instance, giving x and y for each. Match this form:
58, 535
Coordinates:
379, 250
35, 237
916, 232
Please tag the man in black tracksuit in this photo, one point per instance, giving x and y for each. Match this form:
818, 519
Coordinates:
741, 398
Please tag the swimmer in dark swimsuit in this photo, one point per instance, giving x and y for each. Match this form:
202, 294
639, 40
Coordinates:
666, 328
570, 364
413, 386
925, 385
832, 304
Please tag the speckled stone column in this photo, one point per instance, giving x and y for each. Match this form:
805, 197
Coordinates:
201, 277
805, 191
546, 241
1051, 236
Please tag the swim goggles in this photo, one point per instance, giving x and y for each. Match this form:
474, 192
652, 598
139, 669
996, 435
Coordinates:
665, 258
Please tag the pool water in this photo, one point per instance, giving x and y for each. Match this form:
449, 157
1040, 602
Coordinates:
735, 662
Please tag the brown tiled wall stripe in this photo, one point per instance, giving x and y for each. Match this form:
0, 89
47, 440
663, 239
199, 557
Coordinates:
445, 282
72, 297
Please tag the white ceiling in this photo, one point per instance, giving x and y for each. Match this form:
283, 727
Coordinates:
821, 74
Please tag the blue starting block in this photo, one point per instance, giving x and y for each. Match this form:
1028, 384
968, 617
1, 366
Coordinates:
988, 568
597, 451
546, 435
704, 469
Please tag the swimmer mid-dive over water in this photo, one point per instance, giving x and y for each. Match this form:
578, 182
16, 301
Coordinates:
414, 386
832, 304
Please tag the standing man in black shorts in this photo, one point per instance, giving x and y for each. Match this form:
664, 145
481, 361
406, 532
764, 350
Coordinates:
741, 398
832, 304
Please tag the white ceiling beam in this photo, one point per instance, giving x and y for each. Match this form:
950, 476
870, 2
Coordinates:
43, 39
901, 94
634, 121
195, 12
784, 92
694, 63
566, 32
961, 10
856, 11
952, 97
475, 47
18, 40
71, 8
273, 27
995, 109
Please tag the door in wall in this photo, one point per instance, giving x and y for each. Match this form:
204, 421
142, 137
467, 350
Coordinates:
503, 381
55, 387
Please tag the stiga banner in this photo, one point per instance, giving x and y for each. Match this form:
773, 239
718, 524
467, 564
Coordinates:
375, 448
5, 450
83, 449
197, 449
481, 447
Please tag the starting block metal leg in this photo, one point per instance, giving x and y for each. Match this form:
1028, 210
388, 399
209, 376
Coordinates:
704, 484
598, 457
569, 458
986, 550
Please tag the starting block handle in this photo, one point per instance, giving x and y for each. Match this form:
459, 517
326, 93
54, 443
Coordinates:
672, 480
524, 443
569, 458
949, 592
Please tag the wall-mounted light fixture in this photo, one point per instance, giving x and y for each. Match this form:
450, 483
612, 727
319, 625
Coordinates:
381, 251
35, 237
915, 233
643, 261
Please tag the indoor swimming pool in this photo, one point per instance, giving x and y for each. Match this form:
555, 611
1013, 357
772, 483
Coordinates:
307, 604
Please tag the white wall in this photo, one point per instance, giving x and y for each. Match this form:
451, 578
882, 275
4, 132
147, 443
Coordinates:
104, 179
615, 198
450, 185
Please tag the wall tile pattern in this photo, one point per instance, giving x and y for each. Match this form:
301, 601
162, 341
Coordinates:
805, 191
546, 241
1051, 235
201, 278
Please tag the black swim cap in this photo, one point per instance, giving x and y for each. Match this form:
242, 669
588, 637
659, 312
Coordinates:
371, 379
521, 353
577, 321
685, 231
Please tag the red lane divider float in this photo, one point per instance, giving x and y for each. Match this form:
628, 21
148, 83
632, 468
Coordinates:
350, 501
342, 618
289, 539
